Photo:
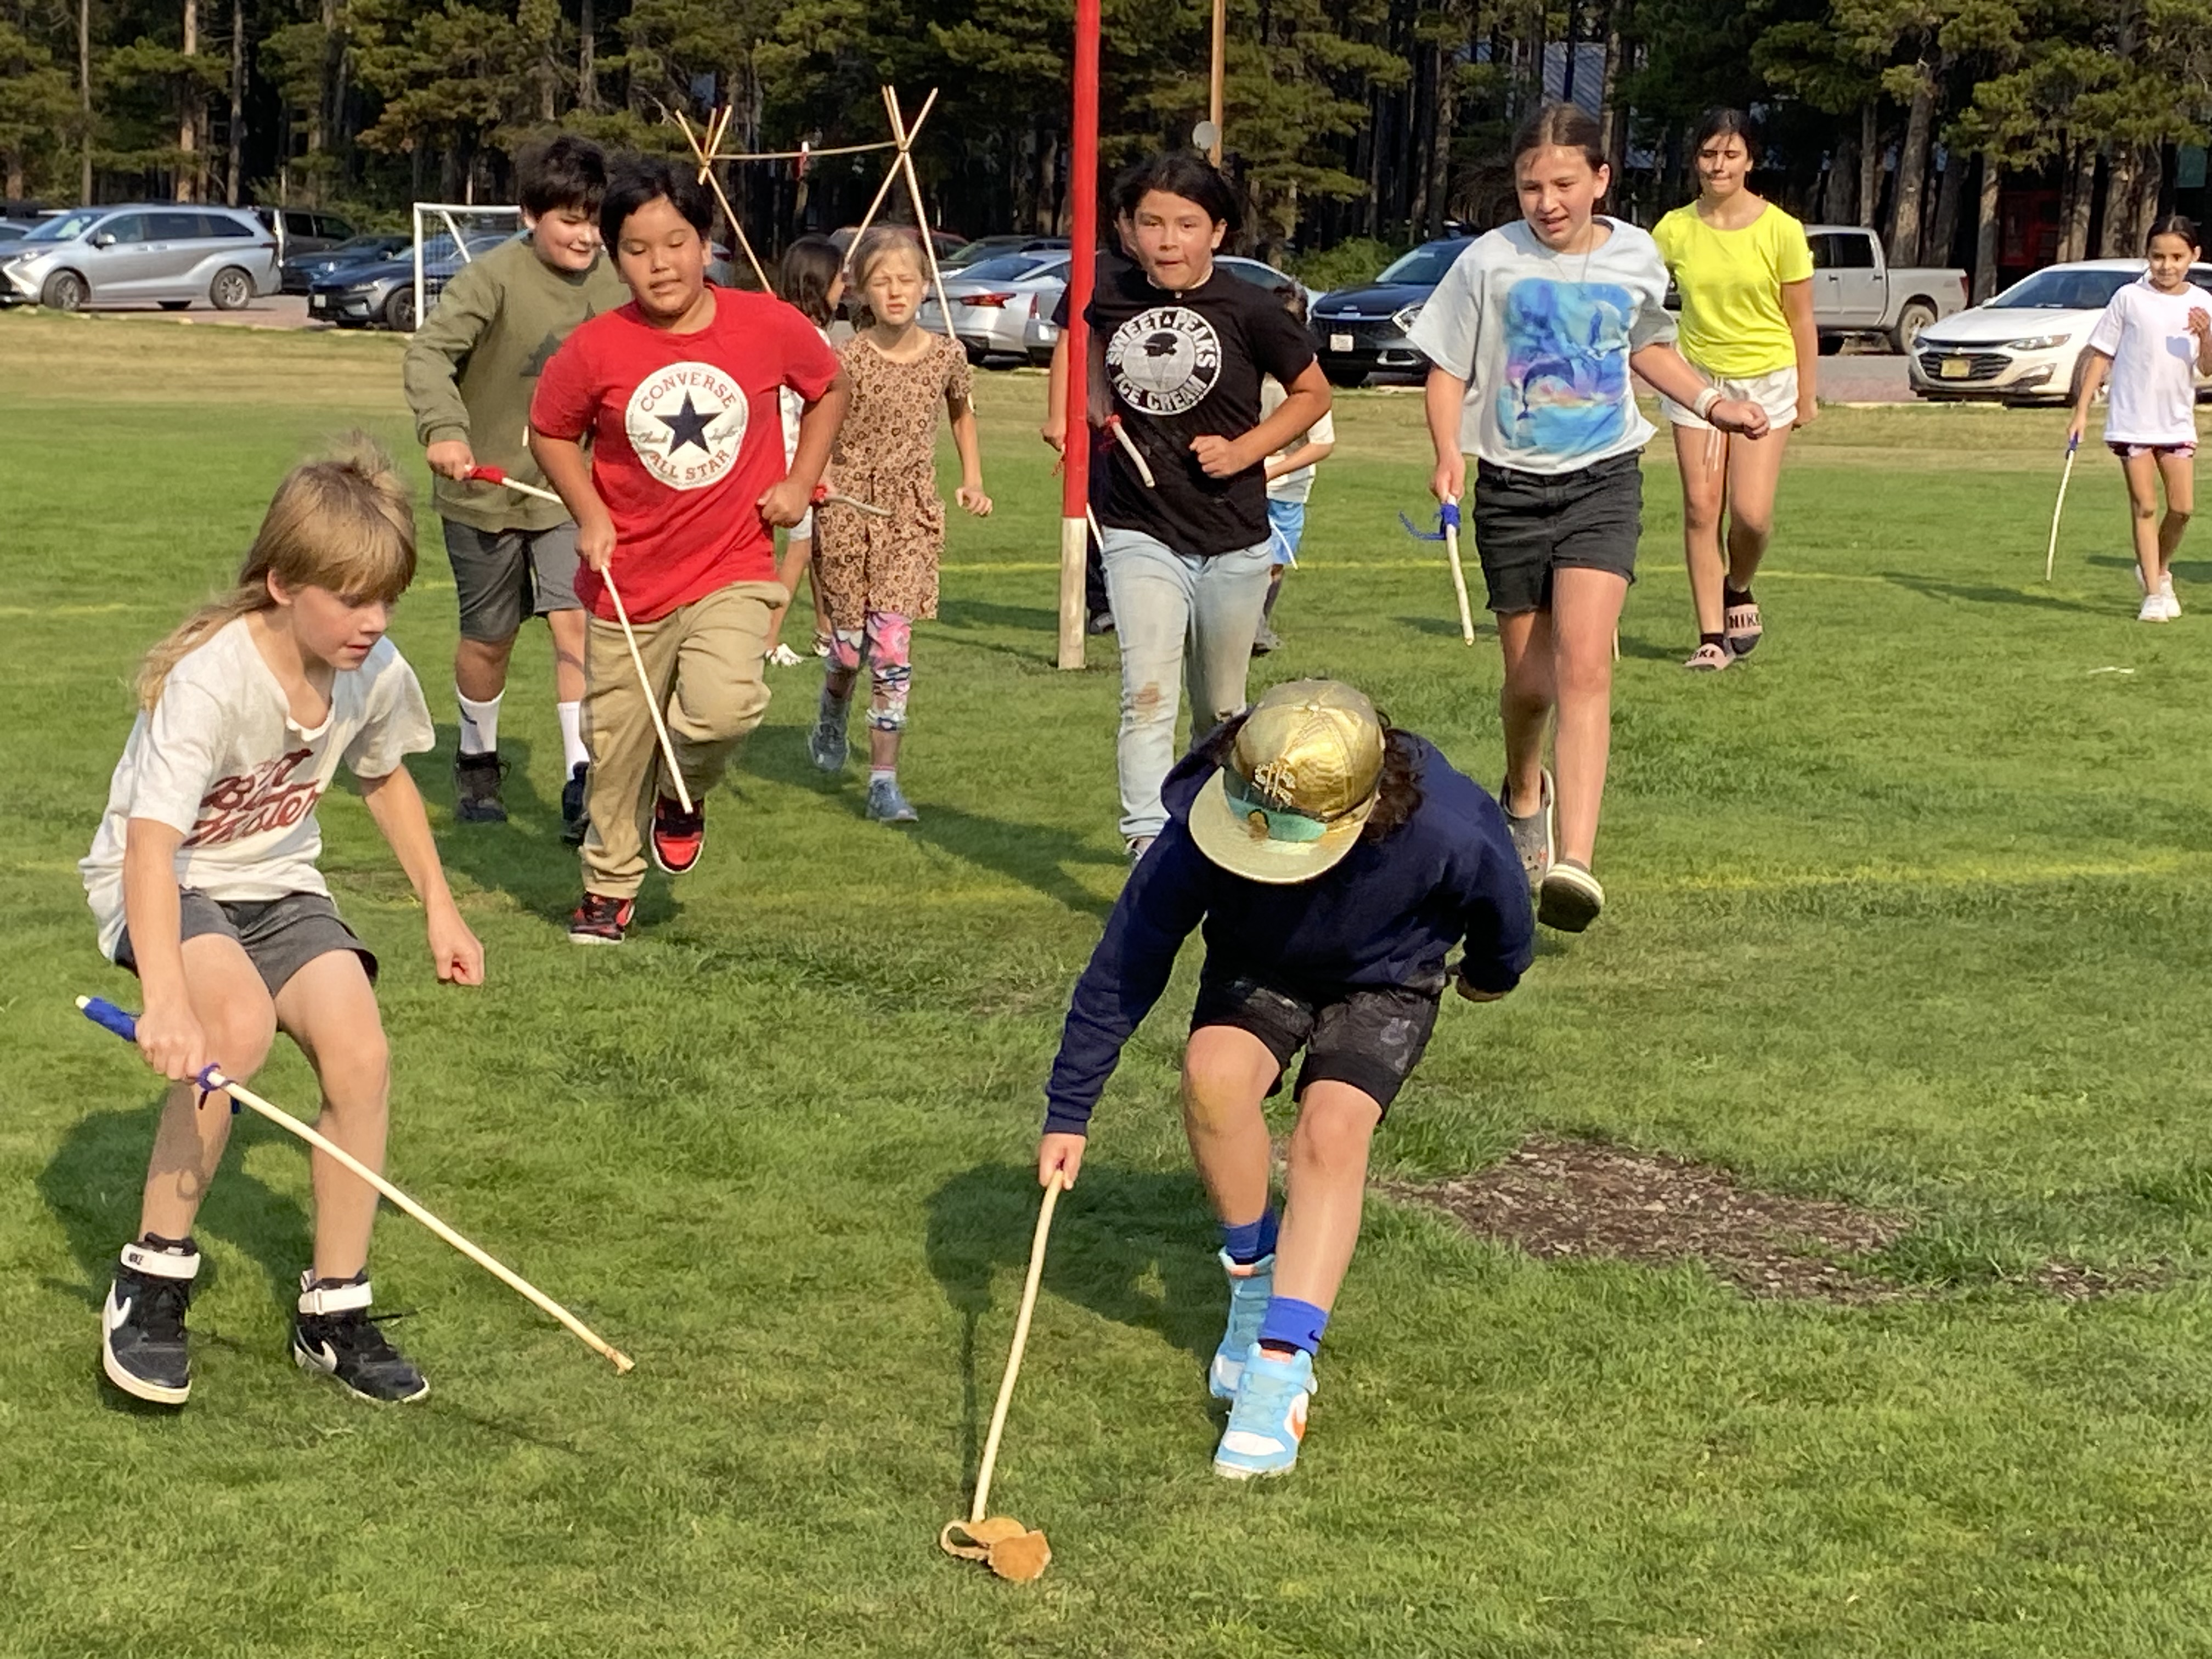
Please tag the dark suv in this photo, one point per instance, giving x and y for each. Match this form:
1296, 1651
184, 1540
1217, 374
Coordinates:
1359, 332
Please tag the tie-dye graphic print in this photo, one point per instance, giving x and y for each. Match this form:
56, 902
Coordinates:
1565, 387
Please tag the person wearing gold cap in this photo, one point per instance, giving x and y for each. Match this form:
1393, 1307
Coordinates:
1332, 863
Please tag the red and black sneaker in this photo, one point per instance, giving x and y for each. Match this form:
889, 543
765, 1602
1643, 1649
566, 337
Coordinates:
677, 835
600, 919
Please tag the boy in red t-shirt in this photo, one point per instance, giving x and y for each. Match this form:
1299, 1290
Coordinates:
678, 393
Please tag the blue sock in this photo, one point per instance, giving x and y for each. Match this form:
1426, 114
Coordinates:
1291, 1323
1248, 1242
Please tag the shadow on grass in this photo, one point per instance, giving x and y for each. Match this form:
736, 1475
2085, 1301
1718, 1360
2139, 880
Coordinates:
91, 1187
1036, 855
1136, 1247
523, 858
1987, 593
1644, 650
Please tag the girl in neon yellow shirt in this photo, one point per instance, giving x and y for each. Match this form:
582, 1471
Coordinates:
1745, 274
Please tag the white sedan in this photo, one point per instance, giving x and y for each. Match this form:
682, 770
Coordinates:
2026, 345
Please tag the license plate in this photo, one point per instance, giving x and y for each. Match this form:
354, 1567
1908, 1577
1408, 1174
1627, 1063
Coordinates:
1339, 342
1956, 368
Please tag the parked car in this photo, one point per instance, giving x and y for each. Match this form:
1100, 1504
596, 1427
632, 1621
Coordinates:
995, 300
300, 271
304, 230
14, 230
990, 247
158, 251
1856, 291
2026, 345
383, 294
1041, 334
1359, 332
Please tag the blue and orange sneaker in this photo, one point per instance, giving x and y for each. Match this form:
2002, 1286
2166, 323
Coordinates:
1250, 1285
1268, 1419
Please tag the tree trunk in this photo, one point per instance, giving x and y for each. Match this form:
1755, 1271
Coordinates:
1839, 200
236, 170
2150, 174
1615, 122
327, 97
1985, 230
588, 73
2113, 241
188, 126
1424, 142
1371, 220
14, 175
84, 98
2075, 200
1904, 203
1950, 197
1869, 164
1440, 143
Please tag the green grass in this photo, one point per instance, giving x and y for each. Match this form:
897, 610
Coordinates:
1910, 910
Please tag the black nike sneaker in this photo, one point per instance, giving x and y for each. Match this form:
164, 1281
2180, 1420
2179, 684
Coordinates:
335, 1335
141, 1329
574, 819
476, 789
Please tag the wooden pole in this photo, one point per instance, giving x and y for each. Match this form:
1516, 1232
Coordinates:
892, 173
707, 173
920, 213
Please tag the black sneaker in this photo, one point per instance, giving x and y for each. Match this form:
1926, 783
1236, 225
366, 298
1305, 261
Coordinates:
333, 1333
141, 1330
574, 823
599, 920
476, 789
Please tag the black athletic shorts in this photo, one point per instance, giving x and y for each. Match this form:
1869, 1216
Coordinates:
279, 936
1527, 525
1369, 1036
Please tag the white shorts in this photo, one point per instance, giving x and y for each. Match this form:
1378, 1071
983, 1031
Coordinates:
1775, 392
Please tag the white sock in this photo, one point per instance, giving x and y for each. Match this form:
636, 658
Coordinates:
877, 774
573, 752
479, 724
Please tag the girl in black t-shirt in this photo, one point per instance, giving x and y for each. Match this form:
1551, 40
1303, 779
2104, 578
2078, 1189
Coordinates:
1178, 351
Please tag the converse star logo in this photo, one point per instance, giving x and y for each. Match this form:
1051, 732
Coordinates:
687, 422
1165, 360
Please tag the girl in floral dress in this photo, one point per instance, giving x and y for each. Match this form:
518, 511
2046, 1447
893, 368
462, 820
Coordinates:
879, 574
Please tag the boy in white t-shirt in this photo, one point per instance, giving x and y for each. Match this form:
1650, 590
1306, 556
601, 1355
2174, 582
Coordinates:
2154, 339
1290, 485
203, 880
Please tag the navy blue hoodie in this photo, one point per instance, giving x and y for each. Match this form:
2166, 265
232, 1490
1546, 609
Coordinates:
1384, 916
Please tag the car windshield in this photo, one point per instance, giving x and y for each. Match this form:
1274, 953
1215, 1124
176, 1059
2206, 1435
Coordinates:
1006, 268
1424, 267
63, 228
2060, 289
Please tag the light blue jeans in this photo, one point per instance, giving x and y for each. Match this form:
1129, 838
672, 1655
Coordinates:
1183, 620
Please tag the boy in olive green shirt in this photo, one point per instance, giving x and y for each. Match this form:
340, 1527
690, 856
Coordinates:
470, 373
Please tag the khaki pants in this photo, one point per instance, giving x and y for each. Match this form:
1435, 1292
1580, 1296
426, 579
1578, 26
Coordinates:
704, 661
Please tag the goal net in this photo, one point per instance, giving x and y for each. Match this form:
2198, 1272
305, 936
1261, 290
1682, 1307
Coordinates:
447, 237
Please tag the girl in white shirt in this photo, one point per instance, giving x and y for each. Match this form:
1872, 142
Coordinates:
2154, 340
202, 881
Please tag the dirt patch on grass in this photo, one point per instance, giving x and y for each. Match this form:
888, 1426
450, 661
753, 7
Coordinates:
1573, 1199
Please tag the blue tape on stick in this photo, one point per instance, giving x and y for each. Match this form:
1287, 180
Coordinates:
102, 1012
1447, 518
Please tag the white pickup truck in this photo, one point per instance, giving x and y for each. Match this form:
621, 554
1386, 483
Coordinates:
1855, 290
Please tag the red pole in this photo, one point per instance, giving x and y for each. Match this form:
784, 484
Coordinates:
1082, 267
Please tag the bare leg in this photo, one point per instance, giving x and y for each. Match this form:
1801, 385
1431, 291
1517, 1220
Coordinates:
480, 665
233, 1008
798, 557
1585, 610
1754, 472
883, 750
330, 1010
566, 628
2142, 474
1226, 1074
1704, 479
1525, 702
1327, 1184
2179, 474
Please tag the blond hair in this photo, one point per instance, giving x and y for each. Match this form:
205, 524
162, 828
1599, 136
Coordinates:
871, 251
345, 523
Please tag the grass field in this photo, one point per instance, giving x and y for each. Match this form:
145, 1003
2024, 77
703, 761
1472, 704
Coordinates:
1908, 910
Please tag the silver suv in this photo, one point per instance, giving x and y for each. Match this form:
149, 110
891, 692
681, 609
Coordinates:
169, 254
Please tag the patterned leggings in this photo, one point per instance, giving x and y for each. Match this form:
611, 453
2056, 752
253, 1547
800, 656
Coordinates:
886, 642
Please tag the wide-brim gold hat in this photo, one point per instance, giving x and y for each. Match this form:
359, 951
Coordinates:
1298, 787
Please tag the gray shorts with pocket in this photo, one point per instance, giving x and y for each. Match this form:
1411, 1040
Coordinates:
502, 577
279, 936
1527, 525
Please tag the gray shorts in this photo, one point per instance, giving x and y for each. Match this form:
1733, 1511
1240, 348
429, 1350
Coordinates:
279, 936
1527, 525
503, 576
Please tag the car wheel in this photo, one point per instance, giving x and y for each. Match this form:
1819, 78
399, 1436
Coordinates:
399, 310
231, 290
1346, 377
64, 291
1916, 316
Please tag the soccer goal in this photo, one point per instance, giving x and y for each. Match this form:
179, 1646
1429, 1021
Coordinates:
448, 236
